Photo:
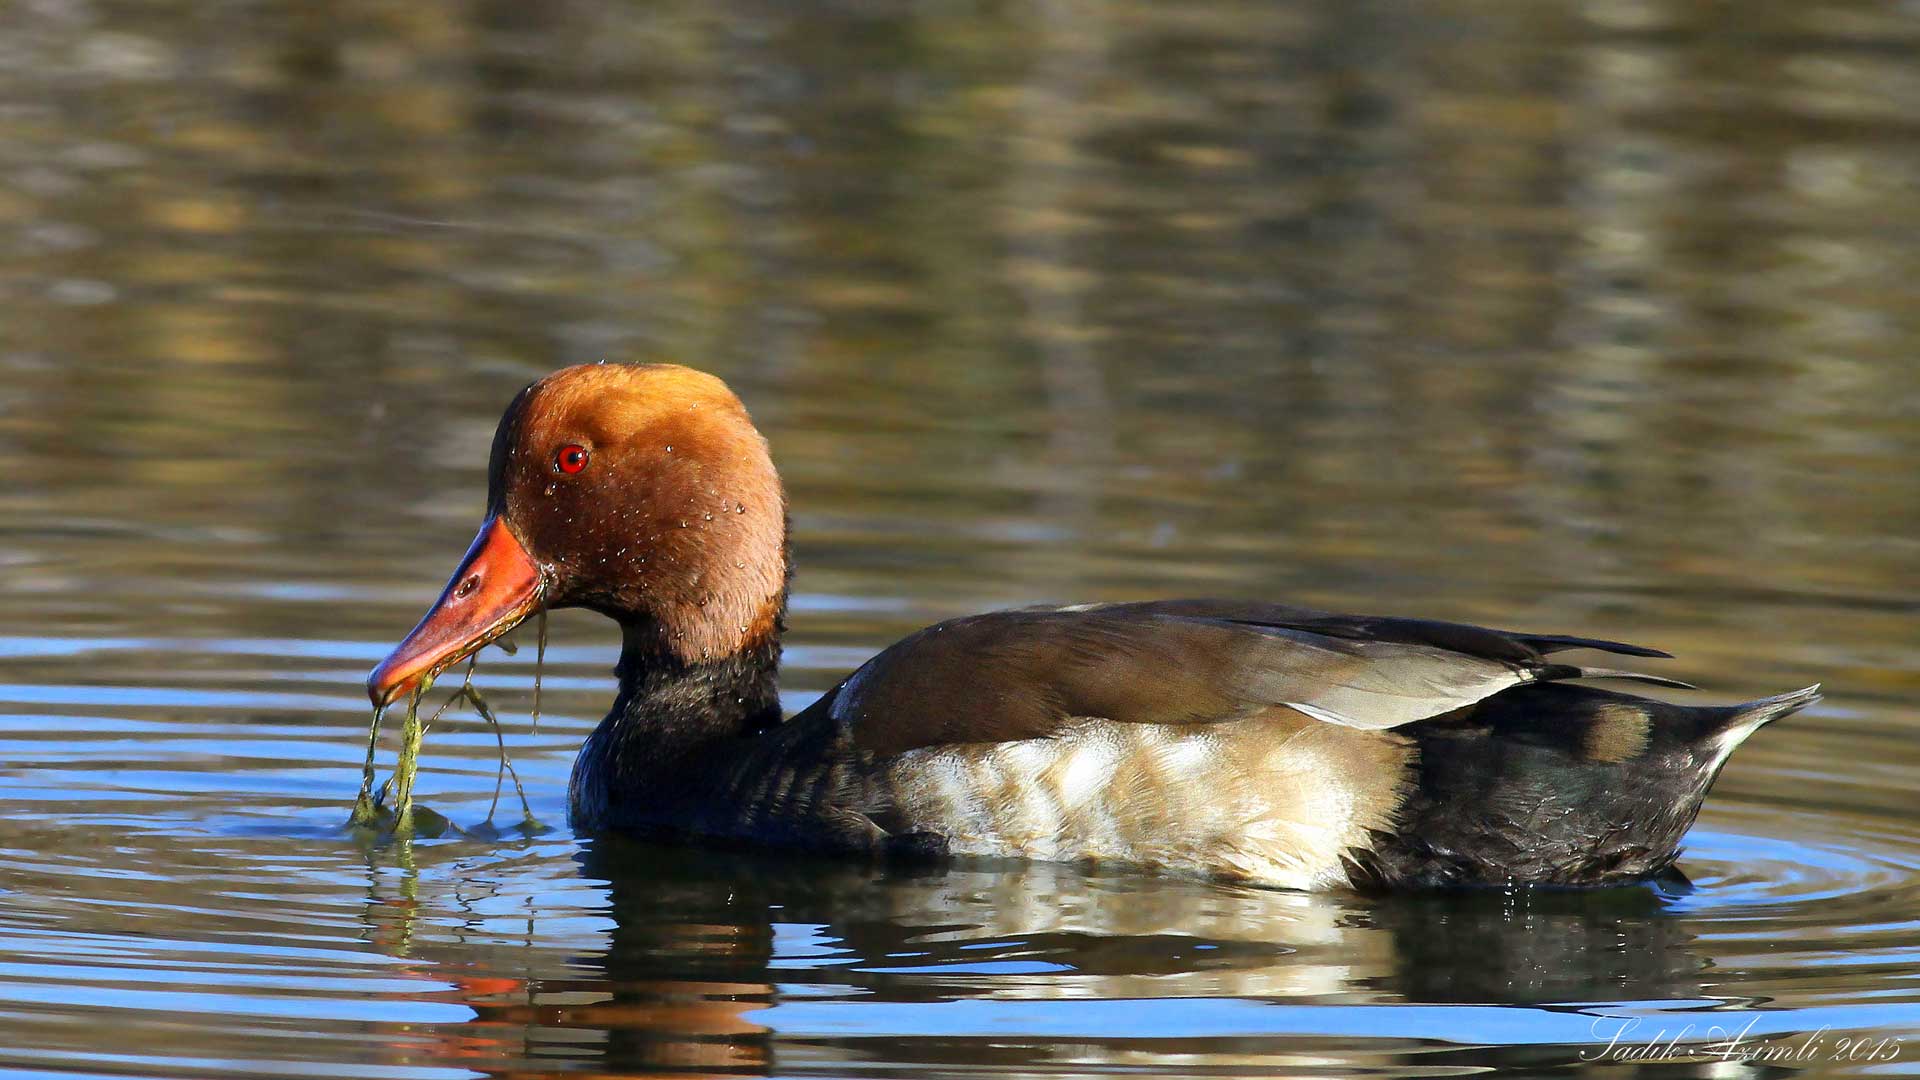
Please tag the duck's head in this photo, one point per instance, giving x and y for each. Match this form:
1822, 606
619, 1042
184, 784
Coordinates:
639, 491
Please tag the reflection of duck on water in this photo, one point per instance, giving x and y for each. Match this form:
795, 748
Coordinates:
1123, 935
709, 951
1244, 740
704, 927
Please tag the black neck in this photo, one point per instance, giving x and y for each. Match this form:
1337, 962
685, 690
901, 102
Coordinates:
667, 711
674, 704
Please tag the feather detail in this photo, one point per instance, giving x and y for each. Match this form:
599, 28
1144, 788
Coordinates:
1614, 673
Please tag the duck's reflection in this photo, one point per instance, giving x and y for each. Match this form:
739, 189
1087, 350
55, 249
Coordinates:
1536, 947
702, 943
1066, 932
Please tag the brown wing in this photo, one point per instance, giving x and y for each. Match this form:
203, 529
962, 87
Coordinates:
1454, 637
1023, 674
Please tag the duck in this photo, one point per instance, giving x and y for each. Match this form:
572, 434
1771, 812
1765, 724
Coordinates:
1235, 739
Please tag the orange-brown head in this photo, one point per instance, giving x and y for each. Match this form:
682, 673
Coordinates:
641, 491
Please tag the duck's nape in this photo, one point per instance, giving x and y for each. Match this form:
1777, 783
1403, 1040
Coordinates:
1269, 743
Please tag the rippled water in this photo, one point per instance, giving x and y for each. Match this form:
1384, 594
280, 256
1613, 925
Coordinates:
1592, 318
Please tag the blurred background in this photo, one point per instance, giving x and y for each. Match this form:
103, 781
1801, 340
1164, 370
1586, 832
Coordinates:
1583, 317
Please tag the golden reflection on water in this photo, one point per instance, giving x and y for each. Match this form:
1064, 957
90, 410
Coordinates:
1588, 317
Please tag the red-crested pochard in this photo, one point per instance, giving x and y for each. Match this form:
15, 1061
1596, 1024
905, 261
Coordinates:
1247, 740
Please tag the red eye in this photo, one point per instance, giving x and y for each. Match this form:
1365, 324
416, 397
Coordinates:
570, 458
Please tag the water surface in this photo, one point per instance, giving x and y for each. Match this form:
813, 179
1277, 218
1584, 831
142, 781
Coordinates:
1592, 318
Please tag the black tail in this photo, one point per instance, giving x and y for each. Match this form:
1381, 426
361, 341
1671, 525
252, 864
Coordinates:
1556, 783
1741, 721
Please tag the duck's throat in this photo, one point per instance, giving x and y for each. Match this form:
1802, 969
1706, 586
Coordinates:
672, 719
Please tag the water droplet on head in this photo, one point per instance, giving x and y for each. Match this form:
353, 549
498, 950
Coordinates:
669, 448
706, 517
739, 508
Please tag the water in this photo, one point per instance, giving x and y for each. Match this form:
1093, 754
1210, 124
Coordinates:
1591, 318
